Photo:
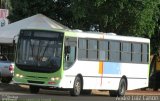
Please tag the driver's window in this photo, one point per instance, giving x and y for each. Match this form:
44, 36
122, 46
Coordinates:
70, 51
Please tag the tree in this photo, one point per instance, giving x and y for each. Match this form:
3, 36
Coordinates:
4, 4
55, 9
125, 17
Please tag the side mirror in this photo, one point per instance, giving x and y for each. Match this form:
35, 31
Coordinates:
67, 49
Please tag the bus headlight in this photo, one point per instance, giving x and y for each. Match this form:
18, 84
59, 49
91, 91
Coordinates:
55, 78
52, 79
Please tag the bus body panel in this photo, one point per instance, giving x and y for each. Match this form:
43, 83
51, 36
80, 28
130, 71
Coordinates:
94, 80
41, 79
112, 73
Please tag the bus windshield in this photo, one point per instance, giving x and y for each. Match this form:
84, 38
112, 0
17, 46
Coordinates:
39, 51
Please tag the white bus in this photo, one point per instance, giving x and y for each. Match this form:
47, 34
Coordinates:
81, 61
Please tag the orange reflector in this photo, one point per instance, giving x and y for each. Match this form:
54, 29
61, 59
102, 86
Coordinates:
100, 67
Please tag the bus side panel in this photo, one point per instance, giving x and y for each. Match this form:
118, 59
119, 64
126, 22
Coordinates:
103, 83
107, 75
137, 83
137, 75
89, 72
93, 76
67, 81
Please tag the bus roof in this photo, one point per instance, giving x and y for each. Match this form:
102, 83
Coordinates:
111, 36
99, 35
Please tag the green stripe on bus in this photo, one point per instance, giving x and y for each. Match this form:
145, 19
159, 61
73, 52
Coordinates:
69, 33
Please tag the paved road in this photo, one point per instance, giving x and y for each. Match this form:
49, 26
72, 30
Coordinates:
12, 92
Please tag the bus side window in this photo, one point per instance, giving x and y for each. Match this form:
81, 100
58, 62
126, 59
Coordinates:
70, 52
67, 52
71, 55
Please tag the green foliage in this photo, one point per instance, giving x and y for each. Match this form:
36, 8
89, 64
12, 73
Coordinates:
124, 17
55, 9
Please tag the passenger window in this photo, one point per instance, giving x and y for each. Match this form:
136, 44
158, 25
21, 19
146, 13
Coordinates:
114, 51
82, 49
145, 53
92, 49
136, 53
126, 52
103, 50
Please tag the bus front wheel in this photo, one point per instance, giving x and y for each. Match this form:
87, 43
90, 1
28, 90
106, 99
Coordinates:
34, 89
77, 87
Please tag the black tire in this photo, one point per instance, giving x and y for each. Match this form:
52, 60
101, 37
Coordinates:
156, 84
86, 92
122, 87
6, 80
34, 89
121, 90
77, 87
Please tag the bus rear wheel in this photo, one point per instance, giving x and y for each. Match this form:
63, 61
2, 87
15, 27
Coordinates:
121, 90
122, 87
33, 89
77, 87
